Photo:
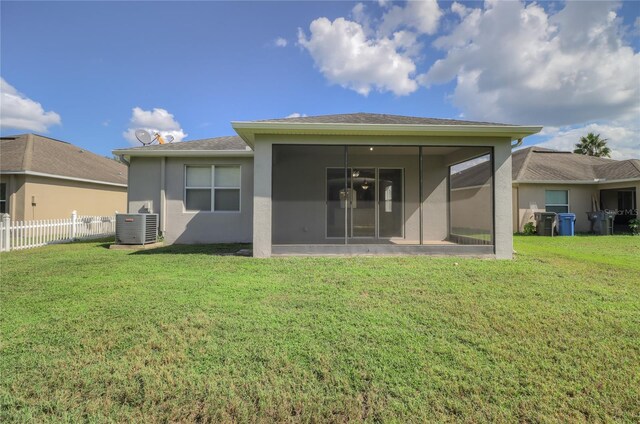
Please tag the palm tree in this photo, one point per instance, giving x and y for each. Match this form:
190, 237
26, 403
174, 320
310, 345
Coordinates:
593, 145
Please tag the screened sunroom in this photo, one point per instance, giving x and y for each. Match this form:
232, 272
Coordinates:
382, 198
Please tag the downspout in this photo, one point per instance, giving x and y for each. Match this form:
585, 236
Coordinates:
517, 211
123, 160
163, 195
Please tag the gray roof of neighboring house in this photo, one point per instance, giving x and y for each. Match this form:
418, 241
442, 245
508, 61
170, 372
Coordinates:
471, 177
537, 164
36, 153
231, 142
540, 164
374, 118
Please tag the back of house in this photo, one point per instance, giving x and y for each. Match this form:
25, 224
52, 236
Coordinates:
335, 184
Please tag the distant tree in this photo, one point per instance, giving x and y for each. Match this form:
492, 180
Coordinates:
593, 145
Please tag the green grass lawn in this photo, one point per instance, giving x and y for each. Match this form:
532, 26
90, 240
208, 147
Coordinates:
186, 334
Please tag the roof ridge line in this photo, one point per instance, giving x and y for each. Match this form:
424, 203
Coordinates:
27, 159
525, 163
635, 163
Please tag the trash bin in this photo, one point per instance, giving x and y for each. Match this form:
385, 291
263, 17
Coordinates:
545, 223
566, 224
601, 222
609, 221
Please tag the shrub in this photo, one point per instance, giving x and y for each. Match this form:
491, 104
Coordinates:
529, 228
634, 226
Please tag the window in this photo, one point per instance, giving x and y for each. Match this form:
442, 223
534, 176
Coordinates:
556, 201
3, 197
212, 188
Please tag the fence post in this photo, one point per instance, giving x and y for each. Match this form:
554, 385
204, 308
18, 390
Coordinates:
74, 220
6, 232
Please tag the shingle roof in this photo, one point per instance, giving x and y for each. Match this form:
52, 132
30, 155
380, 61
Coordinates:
231, 142
36, 153
375, 118
540, 164
238, 144
474, 176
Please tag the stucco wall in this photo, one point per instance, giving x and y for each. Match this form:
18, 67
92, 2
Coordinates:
471, 209
33, 198
435, 212
144, 184
531, 199
184, 227
146, 181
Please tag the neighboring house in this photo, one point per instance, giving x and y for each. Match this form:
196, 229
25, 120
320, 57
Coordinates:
549, 180
44, 178
335, 184
555, 181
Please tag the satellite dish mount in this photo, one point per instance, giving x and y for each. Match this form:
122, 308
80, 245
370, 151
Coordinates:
145, 138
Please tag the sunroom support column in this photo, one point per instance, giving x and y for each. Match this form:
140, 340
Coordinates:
262, 163
503, 221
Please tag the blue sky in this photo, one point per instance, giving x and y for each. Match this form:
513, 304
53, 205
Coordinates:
89, 64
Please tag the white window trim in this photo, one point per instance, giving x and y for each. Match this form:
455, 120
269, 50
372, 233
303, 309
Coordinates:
568, 204
212, 188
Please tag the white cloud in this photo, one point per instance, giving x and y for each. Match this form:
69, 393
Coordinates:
280, 42
459, 9
519, 63
19, 112
296, 115
623, 138
155, 121
346, 56
421, 15
567, 66
366, 53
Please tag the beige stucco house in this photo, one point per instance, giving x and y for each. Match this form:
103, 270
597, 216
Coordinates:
44, 178
334, 184
555, 181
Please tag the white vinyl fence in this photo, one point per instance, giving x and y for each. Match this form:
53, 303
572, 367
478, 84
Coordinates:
27, 234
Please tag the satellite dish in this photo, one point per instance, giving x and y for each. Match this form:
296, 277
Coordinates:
169, 138
144, 137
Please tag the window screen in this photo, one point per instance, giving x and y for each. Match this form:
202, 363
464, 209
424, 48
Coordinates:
212, 188
556, 201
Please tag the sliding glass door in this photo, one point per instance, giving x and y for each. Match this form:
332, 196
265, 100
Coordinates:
367, 202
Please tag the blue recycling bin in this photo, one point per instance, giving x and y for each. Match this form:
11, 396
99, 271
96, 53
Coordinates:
566, 224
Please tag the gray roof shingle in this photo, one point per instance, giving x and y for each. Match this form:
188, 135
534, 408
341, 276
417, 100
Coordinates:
540, 164
231, 142
375, 118
237, 143
36, 153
